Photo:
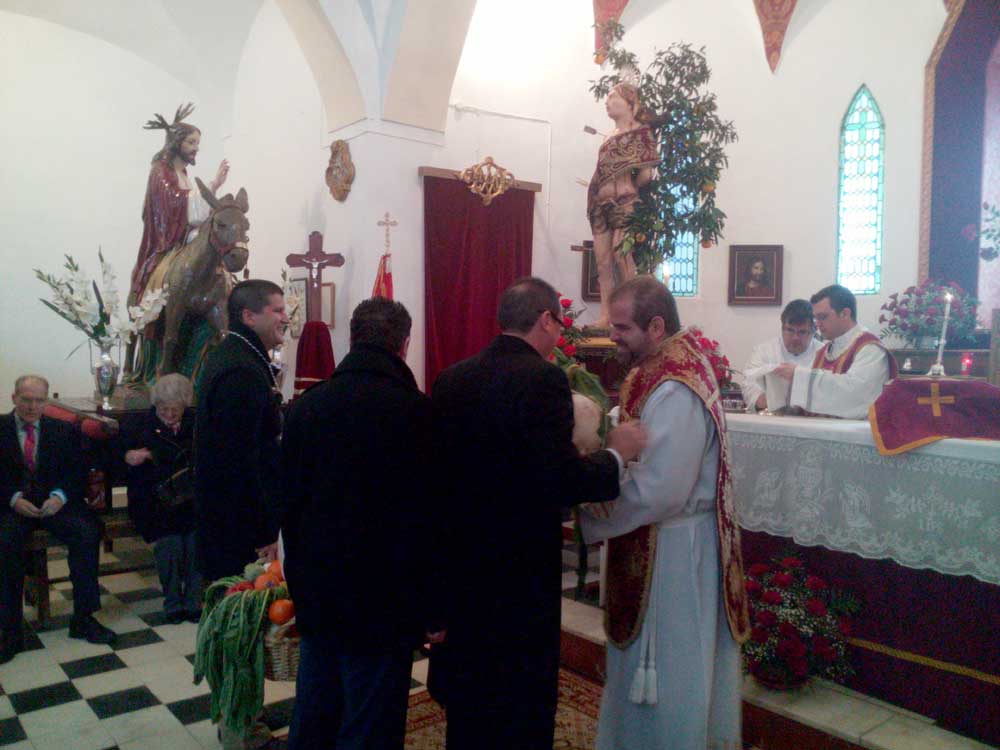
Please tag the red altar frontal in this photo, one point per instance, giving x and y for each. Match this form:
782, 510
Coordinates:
914, 537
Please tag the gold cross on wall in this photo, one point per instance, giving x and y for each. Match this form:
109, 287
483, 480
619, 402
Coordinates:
387, 223
935, 399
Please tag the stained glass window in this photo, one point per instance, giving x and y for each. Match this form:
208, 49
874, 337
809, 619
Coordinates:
860, 197
683, 267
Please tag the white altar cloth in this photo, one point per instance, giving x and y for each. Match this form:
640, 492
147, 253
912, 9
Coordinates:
823, 482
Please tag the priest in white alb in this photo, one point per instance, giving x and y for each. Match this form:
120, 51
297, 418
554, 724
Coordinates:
676, 607
797, 344
849, 371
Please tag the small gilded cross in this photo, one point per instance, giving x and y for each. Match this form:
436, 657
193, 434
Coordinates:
935, 399
387, 223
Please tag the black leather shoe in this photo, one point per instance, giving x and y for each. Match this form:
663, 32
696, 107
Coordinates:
89, 629
11, 646
175, 618
194, 616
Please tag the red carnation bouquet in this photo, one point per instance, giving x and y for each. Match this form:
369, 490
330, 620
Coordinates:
799, 625
918, 312
720, 362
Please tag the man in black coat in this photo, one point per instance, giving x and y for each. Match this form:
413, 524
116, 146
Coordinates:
237, 454
237, 431
41, 486
504, 421
359, 534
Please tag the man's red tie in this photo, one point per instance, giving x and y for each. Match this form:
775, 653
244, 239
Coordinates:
29, 446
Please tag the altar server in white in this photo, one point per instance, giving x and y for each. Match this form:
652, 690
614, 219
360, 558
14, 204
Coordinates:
796, 344
676, 602
849, 371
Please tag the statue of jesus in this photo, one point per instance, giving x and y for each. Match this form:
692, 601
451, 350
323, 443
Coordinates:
625, 163
172, 209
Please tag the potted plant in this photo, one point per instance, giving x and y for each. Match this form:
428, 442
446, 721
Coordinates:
799, 625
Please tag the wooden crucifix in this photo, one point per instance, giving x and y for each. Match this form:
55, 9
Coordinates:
315, 260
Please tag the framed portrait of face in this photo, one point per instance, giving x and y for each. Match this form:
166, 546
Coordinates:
755, 274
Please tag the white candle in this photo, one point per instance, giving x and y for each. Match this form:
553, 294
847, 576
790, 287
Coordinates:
944, 326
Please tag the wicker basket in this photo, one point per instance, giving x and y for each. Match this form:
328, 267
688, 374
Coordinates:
281, 654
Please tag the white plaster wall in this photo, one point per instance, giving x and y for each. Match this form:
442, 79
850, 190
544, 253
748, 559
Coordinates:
781, 187
71, 114
77, 161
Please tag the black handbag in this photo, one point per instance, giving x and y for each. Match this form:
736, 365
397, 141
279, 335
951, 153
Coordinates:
177, 489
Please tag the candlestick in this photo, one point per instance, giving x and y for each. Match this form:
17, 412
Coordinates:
937, 369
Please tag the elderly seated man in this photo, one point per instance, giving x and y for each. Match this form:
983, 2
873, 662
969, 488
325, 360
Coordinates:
41, 486
796, 344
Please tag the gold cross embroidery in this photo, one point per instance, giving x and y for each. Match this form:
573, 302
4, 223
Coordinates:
935, 399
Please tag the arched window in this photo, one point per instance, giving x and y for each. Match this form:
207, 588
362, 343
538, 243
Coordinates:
860, 195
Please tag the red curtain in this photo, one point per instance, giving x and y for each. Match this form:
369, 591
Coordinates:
472, 253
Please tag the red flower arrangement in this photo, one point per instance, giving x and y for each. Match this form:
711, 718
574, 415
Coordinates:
572, 335
918, 312
799, 625
720, 362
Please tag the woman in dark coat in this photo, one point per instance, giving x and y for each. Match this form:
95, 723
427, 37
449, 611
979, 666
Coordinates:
159, 448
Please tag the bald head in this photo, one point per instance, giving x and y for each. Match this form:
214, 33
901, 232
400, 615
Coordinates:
31, 393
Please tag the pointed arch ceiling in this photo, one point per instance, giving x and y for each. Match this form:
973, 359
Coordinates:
334, 74
426, 58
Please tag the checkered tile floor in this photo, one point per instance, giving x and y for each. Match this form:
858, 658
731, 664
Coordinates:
65, 694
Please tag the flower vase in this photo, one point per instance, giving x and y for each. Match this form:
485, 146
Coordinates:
106, 373
778, 681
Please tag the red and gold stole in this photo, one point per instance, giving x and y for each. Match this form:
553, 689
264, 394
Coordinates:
843, 363
631, 557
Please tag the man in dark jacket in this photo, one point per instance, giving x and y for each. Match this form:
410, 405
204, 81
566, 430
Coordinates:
504, 421
358, 534
237, 452
41, 486
237, 432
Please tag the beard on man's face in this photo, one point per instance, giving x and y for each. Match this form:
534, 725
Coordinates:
626, 357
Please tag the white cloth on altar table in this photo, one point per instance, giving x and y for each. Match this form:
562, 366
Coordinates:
763, 359
847, 394
697, 662
823, 482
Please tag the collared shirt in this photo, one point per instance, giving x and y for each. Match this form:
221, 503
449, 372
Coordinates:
22, 436
848, 394
764, 358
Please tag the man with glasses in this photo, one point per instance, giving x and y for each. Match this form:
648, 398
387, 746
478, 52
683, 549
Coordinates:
503, 427
797, 344
849, 371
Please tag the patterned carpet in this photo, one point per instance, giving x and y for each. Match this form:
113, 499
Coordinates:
576, 717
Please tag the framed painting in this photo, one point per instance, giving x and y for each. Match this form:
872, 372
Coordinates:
590, 290
297, 292
329, 297
755, 274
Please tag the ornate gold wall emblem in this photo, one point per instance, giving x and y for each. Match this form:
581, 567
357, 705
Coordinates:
340, 170
487, 179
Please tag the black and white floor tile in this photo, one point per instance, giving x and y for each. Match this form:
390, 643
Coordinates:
66, 694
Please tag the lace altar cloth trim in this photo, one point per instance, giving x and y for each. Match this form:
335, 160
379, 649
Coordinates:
919, 509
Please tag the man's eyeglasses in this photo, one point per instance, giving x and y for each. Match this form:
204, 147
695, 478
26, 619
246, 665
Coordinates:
797, 331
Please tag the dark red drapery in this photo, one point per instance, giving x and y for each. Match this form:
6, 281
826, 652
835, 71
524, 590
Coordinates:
472, 253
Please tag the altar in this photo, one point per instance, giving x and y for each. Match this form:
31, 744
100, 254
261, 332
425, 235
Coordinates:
916, 537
